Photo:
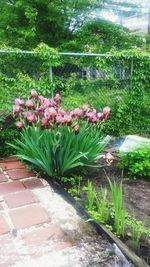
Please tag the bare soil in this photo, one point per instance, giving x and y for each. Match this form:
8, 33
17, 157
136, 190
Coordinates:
136, 197
136, 192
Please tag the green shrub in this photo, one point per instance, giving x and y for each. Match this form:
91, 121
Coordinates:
6, 136
20, 87
8, 132
73, 100
137, 162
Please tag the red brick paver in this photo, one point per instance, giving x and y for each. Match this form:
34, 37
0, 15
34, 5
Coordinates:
20, 199
40, 236
17, 174
11, 187
26, 229
28, 216
12, 165
3, 178
11, 158
4, 228
33, 183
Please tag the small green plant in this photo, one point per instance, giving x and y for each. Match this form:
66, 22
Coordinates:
91, 196
137, 230
102, 205
74, 183
119, 210
97, 203
137, 162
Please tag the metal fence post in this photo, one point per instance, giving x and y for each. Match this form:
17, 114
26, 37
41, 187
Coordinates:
51, 80
131, 88
131, 73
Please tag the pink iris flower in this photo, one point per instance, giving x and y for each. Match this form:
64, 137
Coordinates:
85, 107
19, 101
44, 122
16, 109
100, 115
19, 124
52, 103
57, 98
29, 104
106, 110
61, 112
30, 117
34, 93
77, 112
59, 119
67, 118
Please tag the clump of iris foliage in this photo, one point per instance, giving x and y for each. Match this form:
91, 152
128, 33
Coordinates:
55, 141
101, 209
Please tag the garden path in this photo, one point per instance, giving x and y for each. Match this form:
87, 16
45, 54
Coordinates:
39, 228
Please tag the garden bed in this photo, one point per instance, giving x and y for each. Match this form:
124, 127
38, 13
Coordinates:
137, 199
137, 191
102, 230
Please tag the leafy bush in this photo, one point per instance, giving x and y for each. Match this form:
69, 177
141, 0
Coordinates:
137, 162
60, 150
8, 132
31, 70
6, 136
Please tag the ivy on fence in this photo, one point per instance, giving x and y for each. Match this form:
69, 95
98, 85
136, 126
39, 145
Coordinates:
129, 97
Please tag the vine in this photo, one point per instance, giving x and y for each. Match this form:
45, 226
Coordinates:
131, 111
133, 114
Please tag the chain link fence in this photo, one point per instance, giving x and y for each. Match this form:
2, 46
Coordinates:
19, 73
79, 73
99, 79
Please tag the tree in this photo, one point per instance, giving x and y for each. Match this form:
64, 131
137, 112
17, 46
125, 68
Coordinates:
26, 23
99, 36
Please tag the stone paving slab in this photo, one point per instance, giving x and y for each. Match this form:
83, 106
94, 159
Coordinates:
39, 228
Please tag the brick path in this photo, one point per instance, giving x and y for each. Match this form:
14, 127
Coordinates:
39, 228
